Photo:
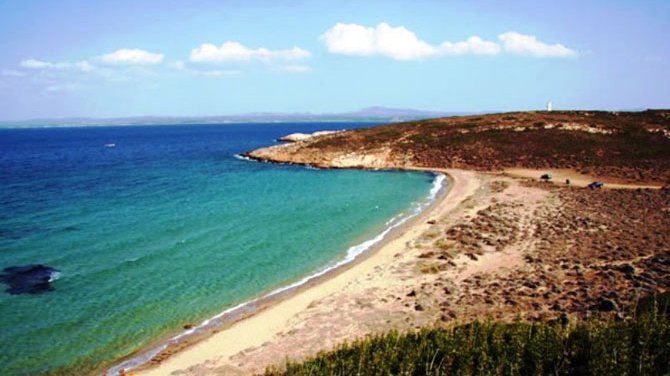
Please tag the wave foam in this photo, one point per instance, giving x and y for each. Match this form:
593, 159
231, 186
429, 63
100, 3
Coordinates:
242, 157
54, 276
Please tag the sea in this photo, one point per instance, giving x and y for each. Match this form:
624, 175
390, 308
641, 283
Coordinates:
152, 233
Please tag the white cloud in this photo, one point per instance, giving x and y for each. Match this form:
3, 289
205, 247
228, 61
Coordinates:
522, 44
395, 42
400, 43
234, 51
473, 45
132, 56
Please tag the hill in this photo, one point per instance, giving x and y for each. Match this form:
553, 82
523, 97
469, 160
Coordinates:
631, 146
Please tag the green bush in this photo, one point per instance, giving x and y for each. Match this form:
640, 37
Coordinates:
639, 345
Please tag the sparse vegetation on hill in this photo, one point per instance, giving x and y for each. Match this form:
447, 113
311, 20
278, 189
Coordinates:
629, 145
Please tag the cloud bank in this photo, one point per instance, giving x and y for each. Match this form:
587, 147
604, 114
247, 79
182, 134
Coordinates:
132, 56
394, 42
233, 51
124, 56
471, 46
400, 43
521, 44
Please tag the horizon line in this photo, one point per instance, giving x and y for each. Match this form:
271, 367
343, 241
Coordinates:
410, 113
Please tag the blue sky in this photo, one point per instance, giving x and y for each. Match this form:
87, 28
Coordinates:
71, 58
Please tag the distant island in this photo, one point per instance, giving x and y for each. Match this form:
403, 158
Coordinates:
370, 114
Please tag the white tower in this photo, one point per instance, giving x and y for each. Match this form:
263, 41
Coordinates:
549, 106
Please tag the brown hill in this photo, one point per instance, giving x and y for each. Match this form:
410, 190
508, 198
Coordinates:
631, 146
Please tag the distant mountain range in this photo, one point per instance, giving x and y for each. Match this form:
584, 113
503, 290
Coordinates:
370, 114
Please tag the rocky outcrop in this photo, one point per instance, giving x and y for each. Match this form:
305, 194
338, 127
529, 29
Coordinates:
297, 137
301, 153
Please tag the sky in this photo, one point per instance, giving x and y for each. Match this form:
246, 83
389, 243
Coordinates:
82, 58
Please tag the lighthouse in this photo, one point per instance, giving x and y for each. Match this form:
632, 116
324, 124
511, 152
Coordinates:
549, 106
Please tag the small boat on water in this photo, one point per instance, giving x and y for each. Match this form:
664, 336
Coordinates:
110, 146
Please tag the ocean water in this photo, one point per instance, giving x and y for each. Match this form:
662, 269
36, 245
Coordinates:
165, 229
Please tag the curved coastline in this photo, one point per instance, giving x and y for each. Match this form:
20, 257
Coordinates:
150, 359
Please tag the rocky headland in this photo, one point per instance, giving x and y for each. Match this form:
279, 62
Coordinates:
627, 146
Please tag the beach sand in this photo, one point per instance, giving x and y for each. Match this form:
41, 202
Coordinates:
497, 245
321, 314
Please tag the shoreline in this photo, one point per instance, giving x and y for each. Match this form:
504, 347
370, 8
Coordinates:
270, 320
221, 341
152, 359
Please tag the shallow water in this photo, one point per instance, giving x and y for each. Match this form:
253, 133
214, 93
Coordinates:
166, 228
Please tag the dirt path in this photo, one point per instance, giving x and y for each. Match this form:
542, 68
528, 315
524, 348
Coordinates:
559, 177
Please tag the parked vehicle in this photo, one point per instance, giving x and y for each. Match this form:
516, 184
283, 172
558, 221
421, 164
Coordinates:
596, 185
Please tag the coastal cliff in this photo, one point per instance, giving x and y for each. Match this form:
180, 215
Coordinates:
628, 146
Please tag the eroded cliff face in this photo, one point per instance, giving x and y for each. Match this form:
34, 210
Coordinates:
303, 152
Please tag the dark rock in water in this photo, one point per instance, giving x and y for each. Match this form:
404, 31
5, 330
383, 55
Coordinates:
28, 279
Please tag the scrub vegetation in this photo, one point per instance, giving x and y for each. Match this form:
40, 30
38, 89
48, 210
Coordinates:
639, 345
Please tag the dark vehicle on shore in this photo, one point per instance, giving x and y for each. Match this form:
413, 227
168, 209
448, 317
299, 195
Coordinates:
596, 185
546, 177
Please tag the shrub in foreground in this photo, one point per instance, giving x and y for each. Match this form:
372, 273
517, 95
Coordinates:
639, 345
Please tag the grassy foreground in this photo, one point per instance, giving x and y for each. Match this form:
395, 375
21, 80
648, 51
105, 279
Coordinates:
639, 345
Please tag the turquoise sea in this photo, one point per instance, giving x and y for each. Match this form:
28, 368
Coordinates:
167, 228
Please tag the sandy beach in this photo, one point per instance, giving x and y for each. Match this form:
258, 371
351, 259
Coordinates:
315, 311
495, 245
